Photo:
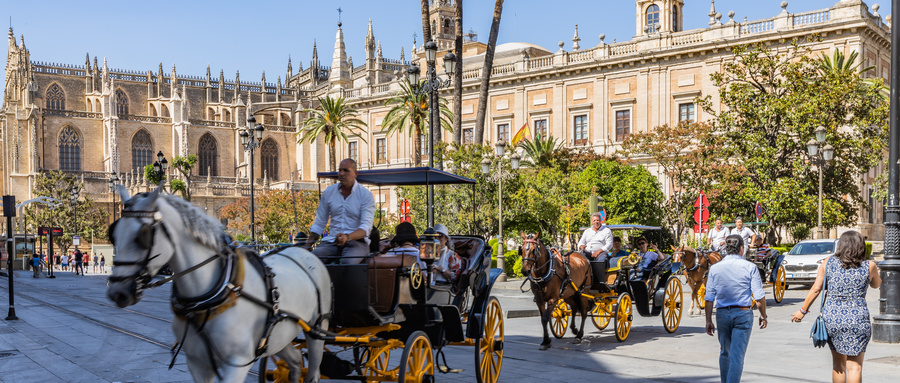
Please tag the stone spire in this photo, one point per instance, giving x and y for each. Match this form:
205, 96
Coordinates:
237, 85
174, 81
221, 85
712, 13
370, 42
378, 52
87, 64
208, 77
339, 76
576, 39
290, 72
314, 62
402, 56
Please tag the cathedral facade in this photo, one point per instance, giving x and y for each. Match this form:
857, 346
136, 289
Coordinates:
94, 122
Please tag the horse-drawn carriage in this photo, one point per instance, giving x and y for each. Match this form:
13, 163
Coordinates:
354, 318
613, 291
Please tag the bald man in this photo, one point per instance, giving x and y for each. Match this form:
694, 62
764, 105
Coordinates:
350, 209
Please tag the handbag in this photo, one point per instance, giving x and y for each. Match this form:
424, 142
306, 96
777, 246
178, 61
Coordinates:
818, 333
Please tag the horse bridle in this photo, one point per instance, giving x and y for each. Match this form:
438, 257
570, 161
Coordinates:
530, 276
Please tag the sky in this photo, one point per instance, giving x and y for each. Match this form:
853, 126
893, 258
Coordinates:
257, 36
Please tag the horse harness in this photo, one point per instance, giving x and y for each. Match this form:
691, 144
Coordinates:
551, 271
197, 311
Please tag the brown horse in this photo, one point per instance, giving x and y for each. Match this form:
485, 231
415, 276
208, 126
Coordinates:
696, 269
554, 277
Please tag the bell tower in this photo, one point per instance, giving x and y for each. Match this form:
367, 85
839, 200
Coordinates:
659, 16
442, 14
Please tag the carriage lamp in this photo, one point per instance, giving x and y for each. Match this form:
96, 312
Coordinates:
427, 244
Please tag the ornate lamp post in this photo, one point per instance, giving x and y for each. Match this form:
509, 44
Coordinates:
498, 176
113, 182
250, 139
160, 166
74, 191
821, 159
432, 84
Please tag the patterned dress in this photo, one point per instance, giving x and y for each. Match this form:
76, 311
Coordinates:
846, 314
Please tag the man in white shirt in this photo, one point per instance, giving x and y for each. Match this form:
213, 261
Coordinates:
596, 241
351, 210
746, 234
716, 238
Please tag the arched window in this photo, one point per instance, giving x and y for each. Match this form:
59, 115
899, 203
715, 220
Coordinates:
121, 103
165, 111
674, 18
285, 119
208, 153
227, 115
210, 114
69, 150
152, 110
269, 156
652, 17
141, 151
56, 98
447, 27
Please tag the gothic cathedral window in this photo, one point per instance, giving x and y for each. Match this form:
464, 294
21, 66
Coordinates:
269, 156
652, 17
69, 150
56, 99
208, 151
121, 103
141, 151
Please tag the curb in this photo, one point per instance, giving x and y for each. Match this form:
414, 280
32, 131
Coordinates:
512, 314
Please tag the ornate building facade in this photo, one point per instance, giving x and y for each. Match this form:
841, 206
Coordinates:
93, 121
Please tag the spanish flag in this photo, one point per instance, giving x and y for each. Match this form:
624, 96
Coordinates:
521, 134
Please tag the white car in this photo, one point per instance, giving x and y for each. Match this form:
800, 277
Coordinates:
802, 263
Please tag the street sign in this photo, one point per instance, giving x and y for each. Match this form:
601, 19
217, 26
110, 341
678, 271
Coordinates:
759, 211
701, 215
55, 231
404, 207
701, 200
76, 240
701, 228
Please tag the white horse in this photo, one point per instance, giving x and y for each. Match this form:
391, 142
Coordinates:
226, 317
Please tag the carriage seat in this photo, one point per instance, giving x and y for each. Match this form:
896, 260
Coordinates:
383, 272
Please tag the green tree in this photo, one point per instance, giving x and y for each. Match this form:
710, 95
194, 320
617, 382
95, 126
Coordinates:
334, 119
185, 166
772, 101
274, 214
92, 221
409, 114
539, 152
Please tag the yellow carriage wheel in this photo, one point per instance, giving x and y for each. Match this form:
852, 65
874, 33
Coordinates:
601, 314
274, 369
780, 284
417, 362
623, 317
701, 293
672, 305
559, 319
489, 349
376, 364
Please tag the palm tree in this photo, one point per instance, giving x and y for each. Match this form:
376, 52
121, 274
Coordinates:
334, 120
538, 153
839, 63
410, 114
486, 73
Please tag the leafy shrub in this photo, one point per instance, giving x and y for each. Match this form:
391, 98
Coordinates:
800, 232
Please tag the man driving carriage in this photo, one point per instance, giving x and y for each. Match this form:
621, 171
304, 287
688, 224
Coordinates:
597, 240
351, 210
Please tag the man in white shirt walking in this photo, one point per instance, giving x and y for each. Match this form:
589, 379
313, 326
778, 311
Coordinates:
733, 283
351, 210
716, 237
596, 241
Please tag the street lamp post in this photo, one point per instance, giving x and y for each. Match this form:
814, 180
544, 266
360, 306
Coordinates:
113, 182
160, 166
250, 139
499, 176
74, 191
432, 84
821, 159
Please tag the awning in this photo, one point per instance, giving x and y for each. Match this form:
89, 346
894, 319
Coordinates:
404, 176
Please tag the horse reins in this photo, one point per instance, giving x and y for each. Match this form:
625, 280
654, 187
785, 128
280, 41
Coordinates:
549, 265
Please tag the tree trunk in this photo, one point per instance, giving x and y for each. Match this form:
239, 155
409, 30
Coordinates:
457, 81
426, 25
418, 146
486, 73
332, 156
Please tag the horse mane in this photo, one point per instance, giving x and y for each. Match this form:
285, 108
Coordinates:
198, 224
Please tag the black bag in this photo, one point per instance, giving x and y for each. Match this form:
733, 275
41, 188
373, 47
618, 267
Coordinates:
819, 333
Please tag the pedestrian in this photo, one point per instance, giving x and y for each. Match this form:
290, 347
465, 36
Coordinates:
36, 265
64, 259
845, 276
745, 233
732, 285
716, 237
102, 263
78, 262
87, 262
94, 265
56, 261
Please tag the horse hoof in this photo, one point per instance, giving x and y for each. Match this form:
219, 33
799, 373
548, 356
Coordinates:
544, 347
577, 341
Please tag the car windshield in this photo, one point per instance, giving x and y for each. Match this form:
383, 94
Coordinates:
813, 248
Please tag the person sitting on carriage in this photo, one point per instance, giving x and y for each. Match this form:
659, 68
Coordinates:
617, 252
350, 207
450, 265
405, 241
597, 240
649, 259
770, 256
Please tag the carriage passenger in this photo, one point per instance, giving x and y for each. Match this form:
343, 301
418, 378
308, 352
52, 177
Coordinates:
649, 259
617, 252
597, 240
405, 241
450, 265
767, 254
351, 210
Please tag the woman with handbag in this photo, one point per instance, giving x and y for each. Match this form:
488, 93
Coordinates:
846, 276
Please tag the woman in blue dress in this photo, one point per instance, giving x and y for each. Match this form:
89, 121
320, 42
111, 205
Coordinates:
846, 316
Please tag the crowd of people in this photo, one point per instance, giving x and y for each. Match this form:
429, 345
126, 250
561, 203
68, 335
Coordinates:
74, 261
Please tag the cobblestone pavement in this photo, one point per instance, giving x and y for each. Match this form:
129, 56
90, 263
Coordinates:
68, 331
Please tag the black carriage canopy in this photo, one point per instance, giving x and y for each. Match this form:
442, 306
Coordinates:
403, 177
